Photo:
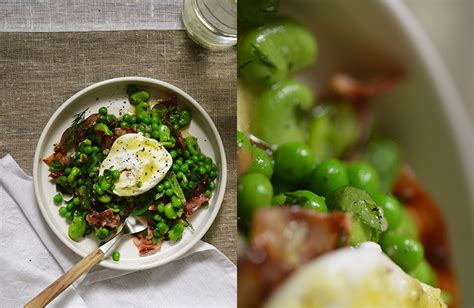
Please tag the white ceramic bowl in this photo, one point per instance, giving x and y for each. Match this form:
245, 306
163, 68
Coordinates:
112, 93
425, 114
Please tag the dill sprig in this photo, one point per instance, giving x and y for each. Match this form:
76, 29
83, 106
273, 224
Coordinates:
68, 140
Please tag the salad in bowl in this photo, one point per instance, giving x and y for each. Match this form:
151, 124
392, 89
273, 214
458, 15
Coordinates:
144, 163
329, 212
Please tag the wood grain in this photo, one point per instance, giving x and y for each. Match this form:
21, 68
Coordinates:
58, 286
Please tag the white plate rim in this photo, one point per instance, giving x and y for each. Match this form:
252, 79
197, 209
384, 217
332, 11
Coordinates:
219, 198
444, 86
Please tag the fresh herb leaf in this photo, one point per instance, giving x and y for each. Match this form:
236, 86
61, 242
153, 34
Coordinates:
70, 134
246, 63
261, 56
56, 166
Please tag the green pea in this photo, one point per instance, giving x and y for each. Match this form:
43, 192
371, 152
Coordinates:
160, 188
154, 120
104, 185
212, 185
175, 167
176, 232
169, 211
293, 162
67, 171
124, 124
116, 256
105, 232
58, 198
70, 206
157, 217
127, 118
202, 170
213, 174
425, 273
327, 177
184, 118
160, 208
392, 210
363, 176
260, 162
278, 113
254, 191
184, 168
111, 118
167, 184
271, 53
404, 251
98, 190
173, 153
146, 120
115, 174
62, 211
103, 110
176, 202
68, 215
95, 149
88, 149
76, 201
162, 227
169, 192
105, 198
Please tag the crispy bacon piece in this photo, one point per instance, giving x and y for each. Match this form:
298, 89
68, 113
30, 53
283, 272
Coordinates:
353, 89
170, 101
176, 133
194, 203
281, 240
105, 218
200, 187
123, 131
62, 157
56, 174
144, 244
431, 228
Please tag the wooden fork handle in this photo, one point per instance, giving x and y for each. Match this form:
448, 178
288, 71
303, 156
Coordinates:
54, 289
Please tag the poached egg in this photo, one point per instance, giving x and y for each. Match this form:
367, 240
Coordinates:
354, 277
142, 162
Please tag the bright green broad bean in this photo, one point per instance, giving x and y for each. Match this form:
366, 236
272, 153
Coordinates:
77, 228
278, 114
273, 52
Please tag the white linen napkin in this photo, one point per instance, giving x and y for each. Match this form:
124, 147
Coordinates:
32, 257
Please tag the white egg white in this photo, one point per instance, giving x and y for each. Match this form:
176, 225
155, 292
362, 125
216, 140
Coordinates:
142, 162
354, 277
